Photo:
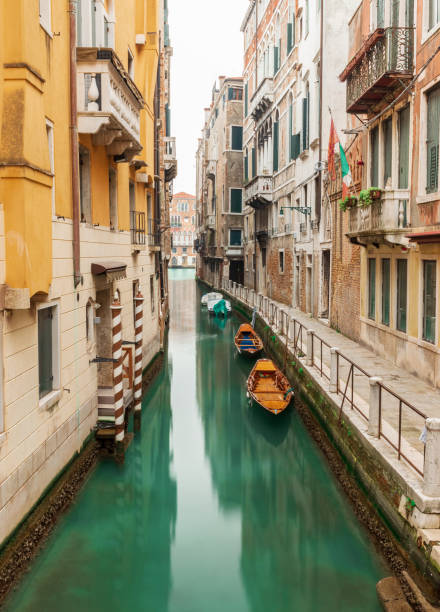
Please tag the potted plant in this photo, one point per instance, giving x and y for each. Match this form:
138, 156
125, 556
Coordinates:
367, 196
348, 202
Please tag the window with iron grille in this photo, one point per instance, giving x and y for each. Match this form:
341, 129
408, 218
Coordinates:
402, 281
432, 140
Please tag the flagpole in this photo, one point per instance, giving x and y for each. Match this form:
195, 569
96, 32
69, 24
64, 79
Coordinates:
351, 189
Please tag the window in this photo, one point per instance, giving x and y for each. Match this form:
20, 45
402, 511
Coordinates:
429, 300
174, 250
90, 322
374, 156
275, 143
434, 13
307, 18
184, 249
130, 64
380, 15
386, 291
49, 132
45, 15
84, 185
305, 119
291, 136
281, 261
48, 349
291, 28
246, 99
372, 288
236, 200
246, 167
404, 117
235, 237
113, 198
387, 150
402, 273
432, 140
152, 292
234, 93
236, 138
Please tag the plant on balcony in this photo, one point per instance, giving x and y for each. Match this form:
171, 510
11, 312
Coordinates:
367, 196
348, 202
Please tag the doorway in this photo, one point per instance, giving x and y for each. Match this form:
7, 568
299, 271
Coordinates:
325, 287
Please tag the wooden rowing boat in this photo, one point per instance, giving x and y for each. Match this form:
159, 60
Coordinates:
247, 341
268, 387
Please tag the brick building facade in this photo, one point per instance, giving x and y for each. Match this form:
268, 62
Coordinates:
183, 230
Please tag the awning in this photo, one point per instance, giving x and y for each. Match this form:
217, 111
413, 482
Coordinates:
113, 270
425, 237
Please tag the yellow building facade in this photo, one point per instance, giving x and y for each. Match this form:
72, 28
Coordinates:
82, 193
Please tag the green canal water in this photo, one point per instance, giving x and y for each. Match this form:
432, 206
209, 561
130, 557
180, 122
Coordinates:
218, 507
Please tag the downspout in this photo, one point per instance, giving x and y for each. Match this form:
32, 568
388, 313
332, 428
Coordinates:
74, 149
254, 263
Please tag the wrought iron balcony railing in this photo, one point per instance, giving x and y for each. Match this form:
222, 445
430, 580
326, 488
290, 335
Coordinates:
137, 227
153, 233
386, 60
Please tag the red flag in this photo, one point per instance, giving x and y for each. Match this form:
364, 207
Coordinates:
333, 142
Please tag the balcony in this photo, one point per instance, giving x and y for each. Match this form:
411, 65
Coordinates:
262, 99
384, 221
153, 235
137, 229
210, 221
258, 191
170, 159
234, 252
380, 69
109, 103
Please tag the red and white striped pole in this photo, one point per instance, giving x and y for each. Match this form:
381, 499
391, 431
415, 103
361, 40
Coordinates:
138, 336
118, 391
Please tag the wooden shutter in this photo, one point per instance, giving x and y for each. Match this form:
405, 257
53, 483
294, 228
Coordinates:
305, 123
401, 294
275, 146
45, 369
409, 13
296, 139
254, 163
388, 149
404, 116
380, 13
429, 300
374, 157
290, 131
432, 143
246, 100
236, 200
372, 288
237, 138
386, 291
275, 60
246, 169
289, 37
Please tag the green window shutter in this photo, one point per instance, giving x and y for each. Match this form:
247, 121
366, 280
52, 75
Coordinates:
236, 138
78, 24
167, 120
404, 116
45, 369
305, 124
246, 169
374, 157
429, 300
230, 93
388, 149
254, 163
235, 237
275, 146
380, 13
275, 60
409, 13
372, 288
386, 291
289, 37
290, 131
432, 142
402, 274
236, 201
246, 100
296, 145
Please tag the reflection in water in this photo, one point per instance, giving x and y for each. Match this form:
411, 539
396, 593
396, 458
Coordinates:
218, 507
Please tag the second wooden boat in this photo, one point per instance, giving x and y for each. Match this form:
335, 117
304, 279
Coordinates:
268, 387
247, 341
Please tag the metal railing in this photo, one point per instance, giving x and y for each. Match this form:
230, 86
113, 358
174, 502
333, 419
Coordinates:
153, 233
346, 379
137, 227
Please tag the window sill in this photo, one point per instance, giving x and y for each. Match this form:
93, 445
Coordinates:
426, 34
304, 154
48, 401
428, 198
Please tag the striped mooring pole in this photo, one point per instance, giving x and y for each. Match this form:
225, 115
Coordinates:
118, 391
138, 336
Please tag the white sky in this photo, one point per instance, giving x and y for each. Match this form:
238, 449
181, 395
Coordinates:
207, 42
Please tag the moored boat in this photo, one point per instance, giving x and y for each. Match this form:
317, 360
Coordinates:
219, 307
213, 295
268, 387
247, 341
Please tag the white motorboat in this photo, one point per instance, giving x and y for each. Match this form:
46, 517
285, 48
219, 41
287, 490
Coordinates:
211, 296
212, 304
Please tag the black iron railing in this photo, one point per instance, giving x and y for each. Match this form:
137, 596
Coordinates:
137, 227
153, 233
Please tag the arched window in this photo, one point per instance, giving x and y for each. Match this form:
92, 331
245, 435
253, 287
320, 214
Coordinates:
275, 141
90, 322
290, 128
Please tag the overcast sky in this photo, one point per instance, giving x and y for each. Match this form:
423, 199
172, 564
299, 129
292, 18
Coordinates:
207, 42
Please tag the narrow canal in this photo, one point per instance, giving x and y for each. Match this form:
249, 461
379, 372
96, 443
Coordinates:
218, 507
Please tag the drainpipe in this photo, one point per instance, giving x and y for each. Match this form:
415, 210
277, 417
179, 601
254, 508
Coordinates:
74, 147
